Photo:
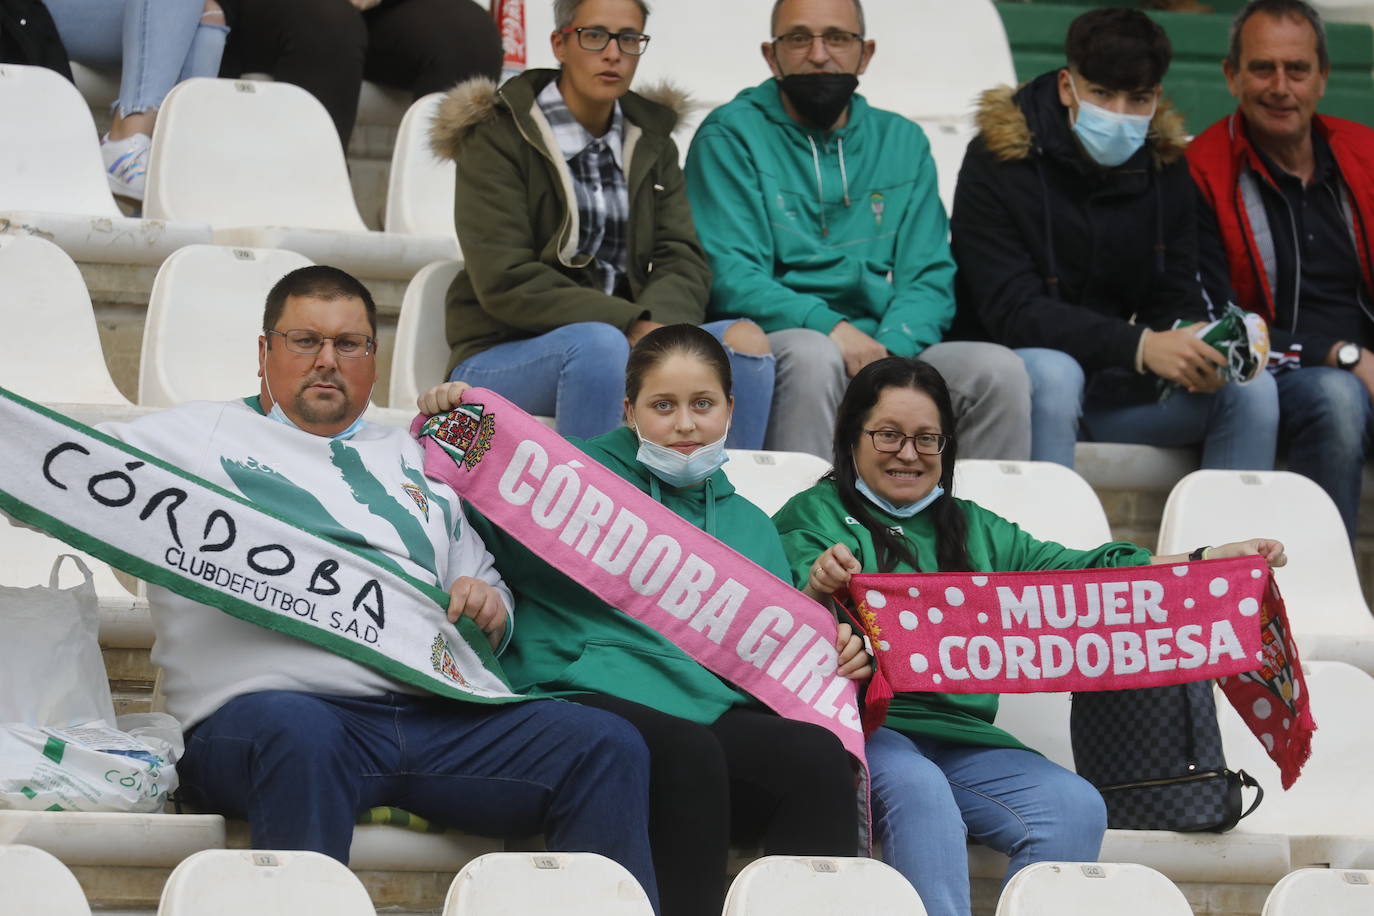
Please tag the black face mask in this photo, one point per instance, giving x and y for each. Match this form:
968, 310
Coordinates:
820, 98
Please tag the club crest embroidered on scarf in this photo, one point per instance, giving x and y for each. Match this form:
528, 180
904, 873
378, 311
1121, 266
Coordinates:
464, 432
442, 660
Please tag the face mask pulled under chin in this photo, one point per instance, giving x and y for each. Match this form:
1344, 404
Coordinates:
278, 415
679, 470
820, 98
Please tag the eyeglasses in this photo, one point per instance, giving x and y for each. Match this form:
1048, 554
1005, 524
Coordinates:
892, 441
308, 343
592, 38
837, 41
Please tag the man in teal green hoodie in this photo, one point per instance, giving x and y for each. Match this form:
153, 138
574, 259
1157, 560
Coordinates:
822, 222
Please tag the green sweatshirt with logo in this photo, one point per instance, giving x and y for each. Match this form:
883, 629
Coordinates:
815, 519
567, 640
806, 228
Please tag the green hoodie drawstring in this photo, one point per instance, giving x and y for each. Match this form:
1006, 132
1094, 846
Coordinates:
656, 491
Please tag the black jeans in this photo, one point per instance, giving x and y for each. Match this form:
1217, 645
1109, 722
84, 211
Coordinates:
751, 776
327, 47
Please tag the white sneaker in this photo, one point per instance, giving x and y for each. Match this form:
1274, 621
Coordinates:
126, 164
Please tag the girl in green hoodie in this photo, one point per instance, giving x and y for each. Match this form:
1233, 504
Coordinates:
722, 766
941, 771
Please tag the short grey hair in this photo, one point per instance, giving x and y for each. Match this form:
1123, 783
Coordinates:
1279, 9
777, 5
564, 11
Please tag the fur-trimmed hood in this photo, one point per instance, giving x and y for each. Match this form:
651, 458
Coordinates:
1004, 120
660, 106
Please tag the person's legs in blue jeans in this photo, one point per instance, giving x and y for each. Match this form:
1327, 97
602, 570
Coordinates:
575, 374
159, 37
152, 41
300, 768
1056, 380
918, 822
291, 764
1021, 804
1327, 419
929, 796
752, 370
1237, 426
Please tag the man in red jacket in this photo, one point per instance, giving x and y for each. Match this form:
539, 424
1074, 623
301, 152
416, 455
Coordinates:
1286, 232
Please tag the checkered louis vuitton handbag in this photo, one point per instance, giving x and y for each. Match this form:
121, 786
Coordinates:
1155, 755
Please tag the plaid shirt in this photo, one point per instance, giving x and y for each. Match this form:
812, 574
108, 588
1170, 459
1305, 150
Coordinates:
603, 194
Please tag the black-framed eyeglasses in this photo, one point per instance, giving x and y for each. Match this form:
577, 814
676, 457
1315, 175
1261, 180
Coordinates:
308, 343
837, 41
594, 38
892, 441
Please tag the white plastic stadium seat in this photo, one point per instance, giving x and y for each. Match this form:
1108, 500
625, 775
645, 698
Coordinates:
379, 105
55, 356
419, 194
1039, 721
204, 318
538, 28
517, 884
231, 882
949, 138
1329, 811
770, 479
52, 180
34, 881
807, 886
420, 358
284, 186
1328, 891
674, 55
421, 353
1356, 11
1091, 889
1049, 501
113, 839
1320, 586
934, 57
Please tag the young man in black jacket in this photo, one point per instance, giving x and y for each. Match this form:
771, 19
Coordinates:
1073, 230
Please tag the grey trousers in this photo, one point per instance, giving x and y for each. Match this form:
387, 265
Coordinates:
987, 383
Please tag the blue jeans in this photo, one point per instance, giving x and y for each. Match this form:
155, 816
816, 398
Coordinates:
300, 768
930, 797
157, 44
576, 374
1237, 426
1328, 425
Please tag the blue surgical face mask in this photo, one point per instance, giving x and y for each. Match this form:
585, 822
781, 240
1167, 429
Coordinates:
679, 470
906, 511
279, 415
1108, 137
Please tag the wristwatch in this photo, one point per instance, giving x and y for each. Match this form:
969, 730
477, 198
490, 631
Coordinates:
1348, 355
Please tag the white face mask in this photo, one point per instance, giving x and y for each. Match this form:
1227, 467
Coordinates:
679, 470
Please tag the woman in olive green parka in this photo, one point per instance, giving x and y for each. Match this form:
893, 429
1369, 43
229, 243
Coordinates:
577, 238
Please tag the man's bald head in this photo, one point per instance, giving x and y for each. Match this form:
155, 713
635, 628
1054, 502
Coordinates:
778, 4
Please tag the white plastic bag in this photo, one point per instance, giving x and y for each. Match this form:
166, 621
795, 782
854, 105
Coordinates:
50, 655
60, 746
91, 767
